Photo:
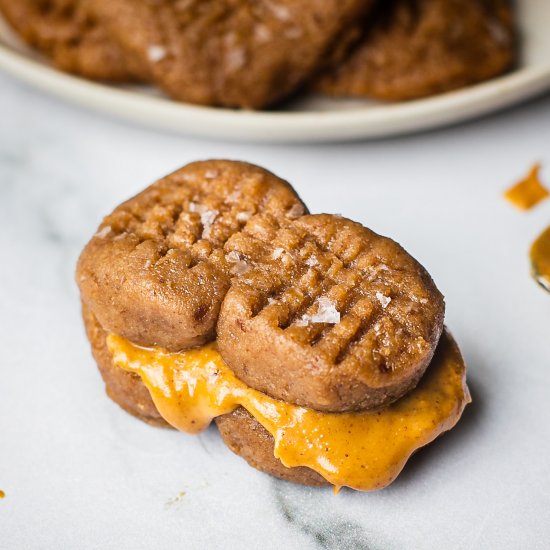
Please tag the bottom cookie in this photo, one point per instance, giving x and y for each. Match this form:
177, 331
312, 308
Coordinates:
125, 388
246, 437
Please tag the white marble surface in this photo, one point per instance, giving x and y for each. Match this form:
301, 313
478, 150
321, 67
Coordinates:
80, 473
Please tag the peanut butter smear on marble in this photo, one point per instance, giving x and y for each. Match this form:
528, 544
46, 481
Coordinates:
361, 450
528, 192
540, 259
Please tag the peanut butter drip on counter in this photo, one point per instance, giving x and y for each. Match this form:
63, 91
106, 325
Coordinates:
528, 192
540, 259
364, 450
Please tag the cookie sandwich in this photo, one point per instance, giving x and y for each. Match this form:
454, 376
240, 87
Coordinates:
316, 345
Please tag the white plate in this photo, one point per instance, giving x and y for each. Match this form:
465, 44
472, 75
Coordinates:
311, 119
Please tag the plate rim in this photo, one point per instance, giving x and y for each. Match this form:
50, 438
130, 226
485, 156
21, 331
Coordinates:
368, 122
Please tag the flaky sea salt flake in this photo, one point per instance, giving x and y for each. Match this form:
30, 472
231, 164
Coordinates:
156, 53
263, 34
233, 256
243, 216
239, 266
104, 232
211, 174
383, 299
280, 12
234, 197
303, 321
207, 219
235, 59
326, 312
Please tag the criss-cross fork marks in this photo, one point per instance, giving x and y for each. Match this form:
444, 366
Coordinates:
193, 213
310, 262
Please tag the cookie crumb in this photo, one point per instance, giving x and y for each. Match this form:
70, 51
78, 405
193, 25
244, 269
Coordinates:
175, 501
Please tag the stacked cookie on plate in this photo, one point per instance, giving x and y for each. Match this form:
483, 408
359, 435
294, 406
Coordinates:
255, 54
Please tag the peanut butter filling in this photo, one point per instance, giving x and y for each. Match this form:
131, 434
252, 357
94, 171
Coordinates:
362, 450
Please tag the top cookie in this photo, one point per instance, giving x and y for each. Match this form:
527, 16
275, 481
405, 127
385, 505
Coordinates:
330, 315
156, 272
64, 31
415, 48
236, 53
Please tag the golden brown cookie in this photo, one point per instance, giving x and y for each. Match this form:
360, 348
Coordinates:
65, 32
235, 53
416, 48
156, 271
246, 437
330, 315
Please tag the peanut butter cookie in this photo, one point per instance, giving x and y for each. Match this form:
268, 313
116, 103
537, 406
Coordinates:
417, 48
66, 33
235, 53
156, 271
330, 316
